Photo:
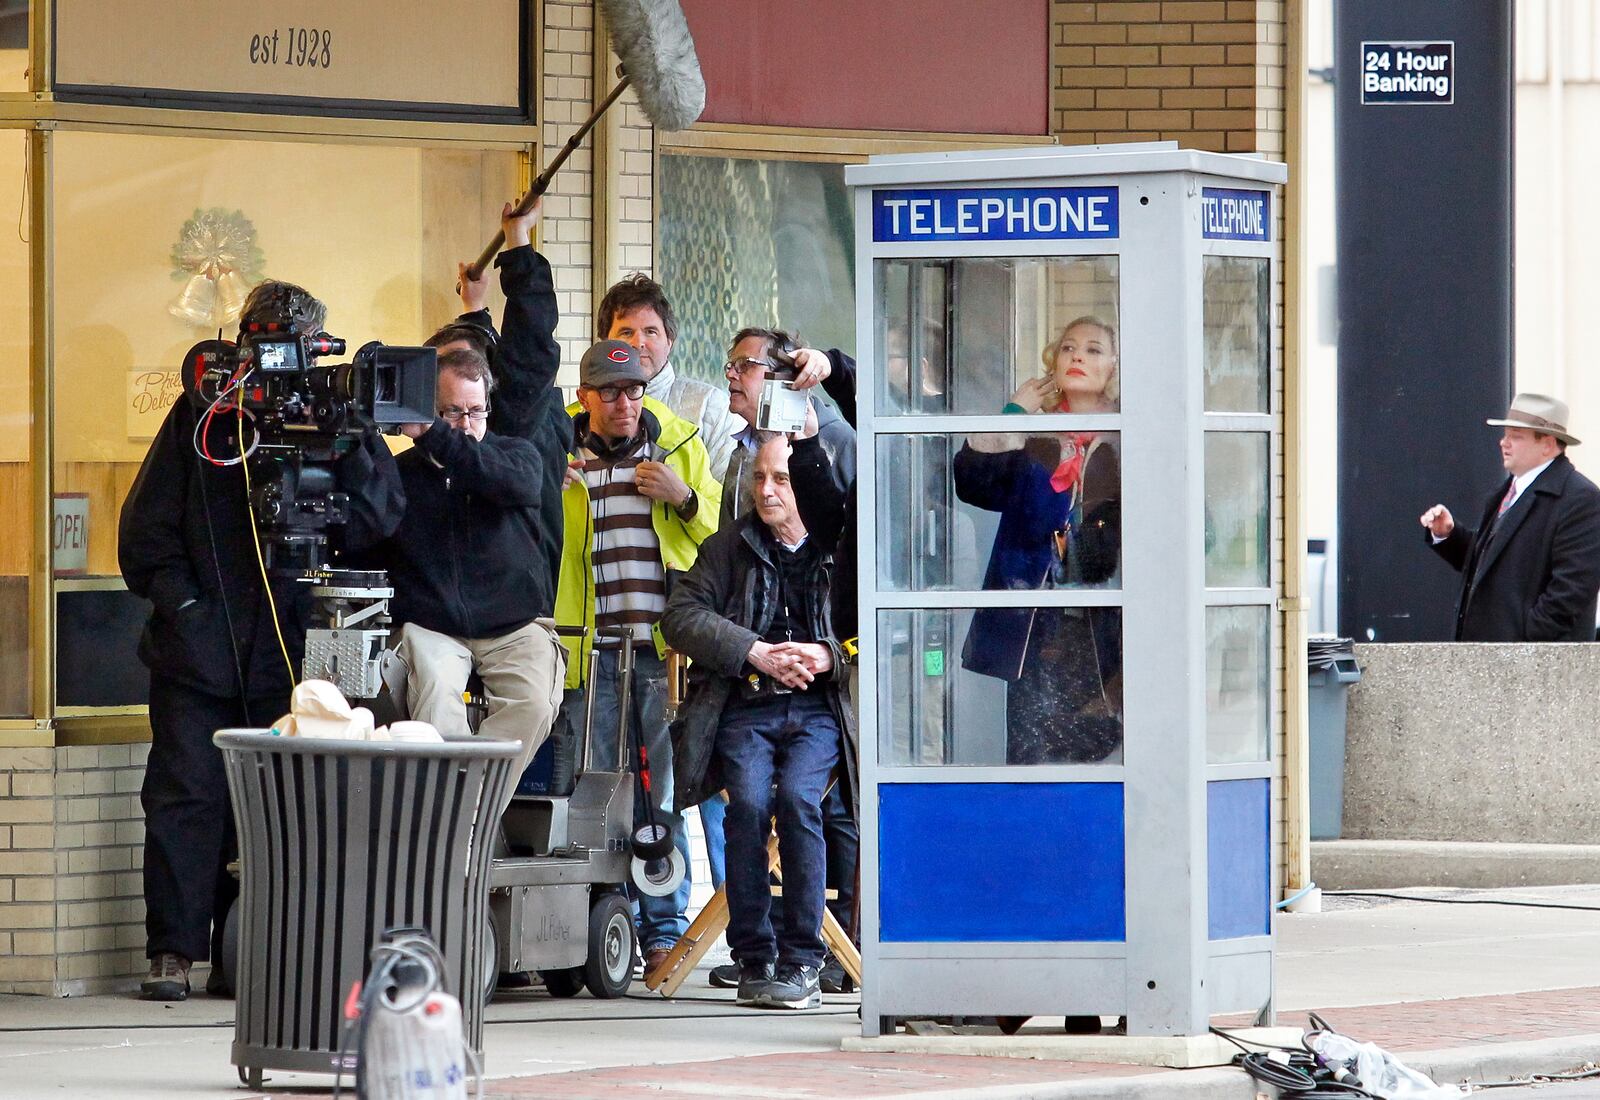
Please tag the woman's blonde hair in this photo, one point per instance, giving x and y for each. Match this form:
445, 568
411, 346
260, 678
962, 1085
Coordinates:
1113, 388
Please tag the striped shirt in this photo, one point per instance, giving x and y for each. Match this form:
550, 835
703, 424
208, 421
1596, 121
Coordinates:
630, 585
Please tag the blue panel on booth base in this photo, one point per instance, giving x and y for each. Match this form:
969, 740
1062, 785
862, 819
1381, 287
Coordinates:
1239, 851
1001, 862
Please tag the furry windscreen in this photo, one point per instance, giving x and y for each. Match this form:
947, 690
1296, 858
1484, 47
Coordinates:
652, 39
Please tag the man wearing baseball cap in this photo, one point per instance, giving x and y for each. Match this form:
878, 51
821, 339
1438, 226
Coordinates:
1530, 571
640, 499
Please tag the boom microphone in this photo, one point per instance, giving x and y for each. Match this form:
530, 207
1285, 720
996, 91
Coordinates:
652, 39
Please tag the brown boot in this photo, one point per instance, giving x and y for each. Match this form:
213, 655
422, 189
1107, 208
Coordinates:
169, 978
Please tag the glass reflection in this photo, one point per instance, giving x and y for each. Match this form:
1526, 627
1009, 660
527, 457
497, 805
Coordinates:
960, 513
1238, 334
963, 336
14, 46
1237, 666
1059, 701
1237, 502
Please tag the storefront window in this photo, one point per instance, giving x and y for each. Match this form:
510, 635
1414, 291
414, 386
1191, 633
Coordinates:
945, 674
962, 336
157, 240
14, 46
16, 420
755, 242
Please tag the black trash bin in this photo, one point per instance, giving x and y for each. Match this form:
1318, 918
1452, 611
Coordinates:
339, 840
1330, 670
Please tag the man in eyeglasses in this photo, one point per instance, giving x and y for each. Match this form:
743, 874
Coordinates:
462, 567
750, 356
640, 500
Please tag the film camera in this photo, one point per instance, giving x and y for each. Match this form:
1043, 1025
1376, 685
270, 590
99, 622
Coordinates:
304, 415
782, 408
301, 417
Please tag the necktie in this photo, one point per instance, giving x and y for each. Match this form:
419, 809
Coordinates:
1505, 501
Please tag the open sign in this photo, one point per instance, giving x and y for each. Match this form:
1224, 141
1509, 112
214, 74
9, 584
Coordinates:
69, 534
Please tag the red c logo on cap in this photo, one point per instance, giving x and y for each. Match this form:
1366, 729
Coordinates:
617, 355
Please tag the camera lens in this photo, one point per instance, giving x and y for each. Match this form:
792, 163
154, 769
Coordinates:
385, 384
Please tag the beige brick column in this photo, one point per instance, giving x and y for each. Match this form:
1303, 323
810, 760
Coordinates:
598, 225
71, 889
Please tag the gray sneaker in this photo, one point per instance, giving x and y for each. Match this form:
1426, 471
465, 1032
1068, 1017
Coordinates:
725, 976
793, 986
168, 979
754, 978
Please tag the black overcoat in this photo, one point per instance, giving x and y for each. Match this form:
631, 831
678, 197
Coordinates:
1534, 575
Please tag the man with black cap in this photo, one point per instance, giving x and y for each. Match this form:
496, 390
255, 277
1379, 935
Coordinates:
640, 499
1530, 572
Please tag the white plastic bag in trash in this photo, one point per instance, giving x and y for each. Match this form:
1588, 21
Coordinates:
1378, 1071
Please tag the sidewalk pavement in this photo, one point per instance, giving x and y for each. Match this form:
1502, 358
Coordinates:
1486, 992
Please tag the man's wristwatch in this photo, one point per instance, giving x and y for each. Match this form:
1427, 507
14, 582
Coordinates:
690, 505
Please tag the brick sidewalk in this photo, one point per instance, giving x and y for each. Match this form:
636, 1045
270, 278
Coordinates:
1414, 1026
802, 1076
1467, 1021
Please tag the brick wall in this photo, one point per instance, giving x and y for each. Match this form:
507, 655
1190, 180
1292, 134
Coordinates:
71, 850
566, 237
1157, 71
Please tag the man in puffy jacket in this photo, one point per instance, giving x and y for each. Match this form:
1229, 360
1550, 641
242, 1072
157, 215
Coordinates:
640, 499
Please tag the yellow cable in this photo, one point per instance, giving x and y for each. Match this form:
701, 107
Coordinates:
266, 583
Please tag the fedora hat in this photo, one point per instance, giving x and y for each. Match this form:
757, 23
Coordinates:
1539, 413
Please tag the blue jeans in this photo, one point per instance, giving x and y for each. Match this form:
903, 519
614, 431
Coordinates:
712, 812
793, 741
661, 920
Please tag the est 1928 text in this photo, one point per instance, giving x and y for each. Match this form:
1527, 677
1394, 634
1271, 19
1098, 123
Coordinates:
302, 47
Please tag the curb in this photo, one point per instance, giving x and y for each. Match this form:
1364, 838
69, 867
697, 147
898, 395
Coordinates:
1499, 1061
1454, 1065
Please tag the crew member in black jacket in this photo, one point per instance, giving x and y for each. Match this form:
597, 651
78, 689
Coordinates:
523, 358
185, 543
471, 585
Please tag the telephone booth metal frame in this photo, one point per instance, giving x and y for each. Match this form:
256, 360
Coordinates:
1142, 888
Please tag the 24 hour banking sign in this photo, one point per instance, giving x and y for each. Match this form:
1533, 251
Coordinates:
995, 214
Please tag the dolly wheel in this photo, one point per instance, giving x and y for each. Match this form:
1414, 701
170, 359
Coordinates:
609, 969
563, 983
1010, 1025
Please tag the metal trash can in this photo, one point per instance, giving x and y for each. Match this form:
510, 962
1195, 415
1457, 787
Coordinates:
1330, 670
339, 840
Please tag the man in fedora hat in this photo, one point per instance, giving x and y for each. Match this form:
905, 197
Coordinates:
1531, 570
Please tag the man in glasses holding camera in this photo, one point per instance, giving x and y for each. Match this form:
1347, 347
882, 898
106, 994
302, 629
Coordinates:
463, 565
640, 499
760, 362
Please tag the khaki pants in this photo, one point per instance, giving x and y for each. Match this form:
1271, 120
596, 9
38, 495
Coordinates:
523, 675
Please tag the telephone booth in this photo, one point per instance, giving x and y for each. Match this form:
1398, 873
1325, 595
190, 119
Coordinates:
1070, 689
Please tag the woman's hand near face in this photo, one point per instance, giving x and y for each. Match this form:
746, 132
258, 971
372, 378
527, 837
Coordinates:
1034, 394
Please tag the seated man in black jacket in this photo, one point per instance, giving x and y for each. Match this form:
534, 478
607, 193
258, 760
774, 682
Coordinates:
466, 565
213, 643
764, 707
524, 358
